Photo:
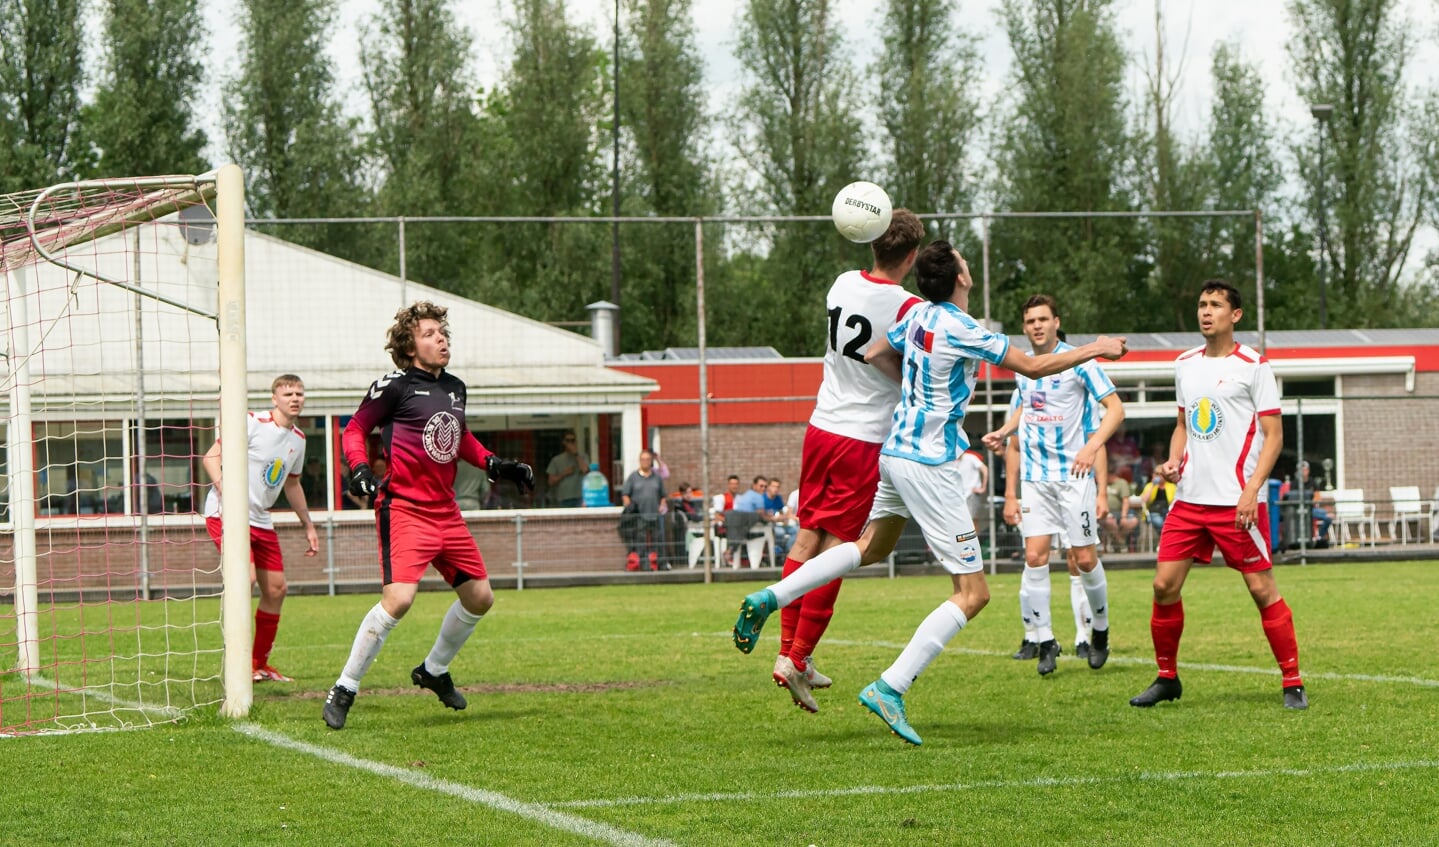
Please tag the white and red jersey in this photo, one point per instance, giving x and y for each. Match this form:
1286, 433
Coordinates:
1222, 400
276, 454
855, 400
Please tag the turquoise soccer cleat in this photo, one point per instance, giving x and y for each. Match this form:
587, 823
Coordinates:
889, 705
753, 612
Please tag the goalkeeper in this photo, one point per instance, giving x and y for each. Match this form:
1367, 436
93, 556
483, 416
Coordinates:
420, 412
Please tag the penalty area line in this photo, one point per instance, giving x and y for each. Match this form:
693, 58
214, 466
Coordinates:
534, 812
997, 785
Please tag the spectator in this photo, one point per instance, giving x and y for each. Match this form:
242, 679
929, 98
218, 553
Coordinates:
724, 501
1321, 517
1123, 454
565, 473
751, 500
1122, 522
147, 495
642, 494
1155, 500
779, 515
470, 486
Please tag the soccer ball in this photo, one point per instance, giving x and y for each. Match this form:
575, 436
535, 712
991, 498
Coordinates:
861, 212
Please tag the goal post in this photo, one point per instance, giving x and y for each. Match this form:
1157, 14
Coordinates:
124, 359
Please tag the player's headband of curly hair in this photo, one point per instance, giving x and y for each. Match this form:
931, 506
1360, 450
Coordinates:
401, 341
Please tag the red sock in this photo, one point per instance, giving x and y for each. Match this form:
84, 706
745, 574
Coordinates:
815, 610
1279, 629
789, 615
1166, 625
265, 626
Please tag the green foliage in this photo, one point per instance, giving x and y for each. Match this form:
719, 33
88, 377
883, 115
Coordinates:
1067, 148
40, 77
929, 104
628, 707
142, 120
1355, 55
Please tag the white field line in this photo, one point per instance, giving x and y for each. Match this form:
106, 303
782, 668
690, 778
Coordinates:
534, 812
997, 785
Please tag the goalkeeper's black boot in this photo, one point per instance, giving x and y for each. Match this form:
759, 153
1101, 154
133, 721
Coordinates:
1160, 690
442, 685
337, 706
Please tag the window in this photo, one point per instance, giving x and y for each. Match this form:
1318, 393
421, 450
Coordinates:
80, 466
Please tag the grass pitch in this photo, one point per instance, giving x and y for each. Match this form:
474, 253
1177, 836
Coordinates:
623, 715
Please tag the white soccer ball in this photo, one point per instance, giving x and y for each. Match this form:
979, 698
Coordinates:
861, 212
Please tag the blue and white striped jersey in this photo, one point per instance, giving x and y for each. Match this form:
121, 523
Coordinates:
941, 348
1059, 413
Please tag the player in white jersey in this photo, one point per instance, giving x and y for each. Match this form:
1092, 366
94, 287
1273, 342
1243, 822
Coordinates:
839, 468
934, 353
1054, 454
1224, 445
277, 453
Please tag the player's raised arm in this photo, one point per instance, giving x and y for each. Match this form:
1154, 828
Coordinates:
885, 359
1047, 364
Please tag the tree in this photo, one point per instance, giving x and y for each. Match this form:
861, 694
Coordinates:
1355, 55
1067, 148
797, 135
286, 130
670, 175
142, 121
423, 137
40, 79
929, 85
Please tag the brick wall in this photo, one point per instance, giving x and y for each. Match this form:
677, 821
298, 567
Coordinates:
1394, 440
747, 450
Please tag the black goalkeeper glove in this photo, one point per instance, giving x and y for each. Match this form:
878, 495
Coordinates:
362, 481
517, 472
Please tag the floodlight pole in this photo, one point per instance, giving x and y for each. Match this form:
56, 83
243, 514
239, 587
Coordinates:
1322, 112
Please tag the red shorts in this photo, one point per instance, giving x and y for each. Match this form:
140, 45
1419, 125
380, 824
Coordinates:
264, 545
1192, 531
837, 480
412, 539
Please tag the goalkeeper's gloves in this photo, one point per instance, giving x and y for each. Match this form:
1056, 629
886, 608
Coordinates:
362, 481
517, 472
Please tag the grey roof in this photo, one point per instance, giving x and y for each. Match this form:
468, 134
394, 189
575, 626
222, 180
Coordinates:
1274, 338
690, 354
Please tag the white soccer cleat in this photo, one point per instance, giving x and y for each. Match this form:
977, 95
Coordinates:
816, 679
786, 675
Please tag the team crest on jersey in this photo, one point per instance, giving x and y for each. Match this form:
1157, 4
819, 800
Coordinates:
442, 437
274, 473
1037, 400
1205, 419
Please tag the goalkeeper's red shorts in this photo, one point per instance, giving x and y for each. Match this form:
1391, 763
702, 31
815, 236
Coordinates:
1192, 531
837, 480
264, 545
412, 539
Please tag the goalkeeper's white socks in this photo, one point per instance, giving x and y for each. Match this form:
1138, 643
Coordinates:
368, 641
454, 631
821, 570
937, 630
1079, 603
1096, 588
1036, 598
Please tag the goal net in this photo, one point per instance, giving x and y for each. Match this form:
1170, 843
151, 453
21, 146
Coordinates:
122, 308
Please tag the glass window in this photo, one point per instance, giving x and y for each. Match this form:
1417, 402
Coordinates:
315, 473
175, 480
78, 464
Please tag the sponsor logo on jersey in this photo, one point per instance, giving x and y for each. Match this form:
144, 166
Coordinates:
442, 437
274, 473
1205, 419
1037, 400
454, 401
922, 338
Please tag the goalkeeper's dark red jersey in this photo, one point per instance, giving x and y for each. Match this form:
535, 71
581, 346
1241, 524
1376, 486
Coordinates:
422, 432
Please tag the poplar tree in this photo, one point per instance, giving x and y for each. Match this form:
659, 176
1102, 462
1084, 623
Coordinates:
40, 80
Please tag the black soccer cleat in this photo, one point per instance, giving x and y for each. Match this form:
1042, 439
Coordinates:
1082, 649
1048, 655
337, 706
1099, 648
1295, 698
442, 685
1027, 650
1160, 690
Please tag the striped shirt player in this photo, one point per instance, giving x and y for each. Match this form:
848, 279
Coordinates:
839, 465
1226, 438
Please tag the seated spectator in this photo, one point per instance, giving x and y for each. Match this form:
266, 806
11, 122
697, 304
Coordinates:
779, 515
1155, 499
1321, 517
1122, 523
751, 500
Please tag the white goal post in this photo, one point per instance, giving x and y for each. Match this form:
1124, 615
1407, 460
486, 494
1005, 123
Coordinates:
124, 358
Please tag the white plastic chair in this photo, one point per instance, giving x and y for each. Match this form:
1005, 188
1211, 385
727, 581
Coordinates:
1409, 509
1351, 510
758, 533
695, 542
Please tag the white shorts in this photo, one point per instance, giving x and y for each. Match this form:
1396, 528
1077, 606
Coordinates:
1065, 508
935, 496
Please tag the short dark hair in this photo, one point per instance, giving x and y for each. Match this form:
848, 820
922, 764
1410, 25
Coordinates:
1230, 292
733, 476
759, 478
1037, 300
894, 244
935, 271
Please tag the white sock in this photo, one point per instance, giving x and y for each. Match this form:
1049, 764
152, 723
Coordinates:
935, 631
1037, 596
1096, 589
374, 629
454, 631
1080, 604
1024, 612
821, 570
